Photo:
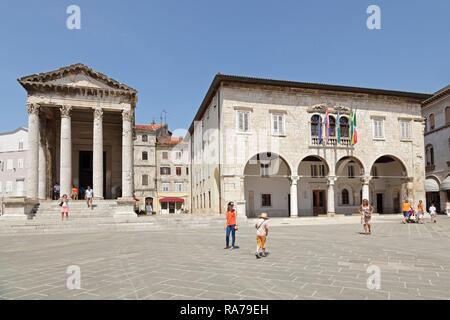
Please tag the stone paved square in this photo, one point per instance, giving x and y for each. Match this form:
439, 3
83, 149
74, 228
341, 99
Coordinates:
322, 261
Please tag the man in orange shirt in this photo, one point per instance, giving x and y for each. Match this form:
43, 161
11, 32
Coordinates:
231, 226
406, 208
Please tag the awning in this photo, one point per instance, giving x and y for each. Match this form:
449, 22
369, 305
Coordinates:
171, 200
445, 185
431, 185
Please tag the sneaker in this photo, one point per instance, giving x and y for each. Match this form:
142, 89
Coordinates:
257, 256
235, 247
226, 248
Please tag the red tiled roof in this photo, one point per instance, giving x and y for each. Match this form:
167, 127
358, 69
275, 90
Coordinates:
148, 127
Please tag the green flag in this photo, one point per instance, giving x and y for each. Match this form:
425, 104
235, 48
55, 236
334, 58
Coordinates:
338, 120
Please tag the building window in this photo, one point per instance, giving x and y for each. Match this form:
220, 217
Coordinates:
144, 138
375, 172
447, 115
315, 124
178, 171
264, 169
345, 132
145, 155
10, 164
351, 172
165, 186
20, 163
278, 124
2, 166
405, 130
209, 199
9, 187
178, 155
430, 155
345, 197
243, 121
332, 130
187, 171
165, 155
266, 200
317, 171
165, 171
20, 144
145, 180
179, 187
1, 187
378, 128
431, 121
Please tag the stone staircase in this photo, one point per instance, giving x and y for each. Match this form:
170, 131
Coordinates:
47, 220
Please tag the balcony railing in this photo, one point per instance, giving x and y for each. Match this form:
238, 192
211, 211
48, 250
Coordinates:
332, 142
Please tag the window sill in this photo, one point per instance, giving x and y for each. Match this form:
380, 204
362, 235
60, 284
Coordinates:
279, 135
406, 140
244, 133
379, 139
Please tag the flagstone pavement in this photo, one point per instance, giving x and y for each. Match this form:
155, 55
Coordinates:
305, 262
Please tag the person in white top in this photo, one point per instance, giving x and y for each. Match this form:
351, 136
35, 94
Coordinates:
89, 196
262, 231
433, 213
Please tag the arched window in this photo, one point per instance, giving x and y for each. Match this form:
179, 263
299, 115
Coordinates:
429, 155
315, 123
145, 155
144, 138
345, 197
447, 115
345, 128
431, 121
332, 126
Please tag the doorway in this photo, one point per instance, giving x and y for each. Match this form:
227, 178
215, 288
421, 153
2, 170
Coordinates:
86, 172
319, 202
380, 203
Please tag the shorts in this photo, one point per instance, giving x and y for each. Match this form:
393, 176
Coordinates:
65, 210
406, 214
261, 241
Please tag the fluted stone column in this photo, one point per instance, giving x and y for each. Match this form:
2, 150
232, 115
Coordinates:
98, 154
294, 193
42, 193
66, 151
365, 188
127, 154
33, 151
331, 210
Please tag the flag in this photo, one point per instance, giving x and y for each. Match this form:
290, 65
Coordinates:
327, 125
320, 130
354, 129
338, 124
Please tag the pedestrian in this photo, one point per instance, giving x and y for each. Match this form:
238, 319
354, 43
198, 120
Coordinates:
56, 191
74, 195
89, 195
262, 231
406, 208
420, 212
231, 226
64, 204
366, 211
433, 213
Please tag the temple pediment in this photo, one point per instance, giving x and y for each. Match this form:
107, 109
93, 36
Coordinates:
77, 76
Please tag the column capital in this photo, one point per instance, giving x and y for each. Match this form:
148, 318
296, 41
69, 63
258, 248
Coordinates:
127, 115
331, 180
98, 113
66, 111
294, 179
366, 179
33, 108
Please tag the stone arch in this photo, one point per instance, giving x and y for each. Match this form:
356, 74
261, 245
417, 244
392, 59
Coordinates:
264, 156
344, 161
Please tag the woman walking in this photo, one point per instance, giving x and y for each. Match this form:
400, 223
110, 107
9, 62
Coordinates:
366, 211
231, 226
89, 194
420, 212
262, 231
64, 204
433, 213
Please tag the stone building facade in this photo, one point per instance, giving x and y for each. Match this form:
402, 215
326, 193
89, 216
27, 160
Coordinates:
256, 142
80, 133
13, 160
436, 111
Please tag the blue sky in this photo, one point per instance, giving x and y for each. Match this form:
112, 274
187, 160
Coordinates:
170, 50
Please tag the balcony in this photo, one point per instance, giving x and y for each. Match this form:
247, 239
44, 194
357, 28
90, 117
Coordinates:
332, 142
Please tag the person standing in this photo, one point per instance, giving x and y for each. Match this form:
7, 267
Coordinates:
262, 231
74, 195
231, 226
406, 208
366, 211
89, 195
420, 212
64, 204
56, 191
433, 213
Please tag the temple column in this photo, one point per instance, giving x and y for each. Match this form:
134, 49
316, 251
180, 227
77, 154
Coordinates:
66, 151
98, 154
127, 154
42, 193
331, 210
294, 193
33, 151
365, 188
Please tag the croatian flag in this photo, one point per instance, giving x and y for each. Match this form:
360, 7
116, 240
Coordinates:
327, 125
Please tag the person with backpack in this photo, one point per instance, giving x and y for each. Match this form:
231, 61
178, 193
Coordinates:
262, 231
366, 211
